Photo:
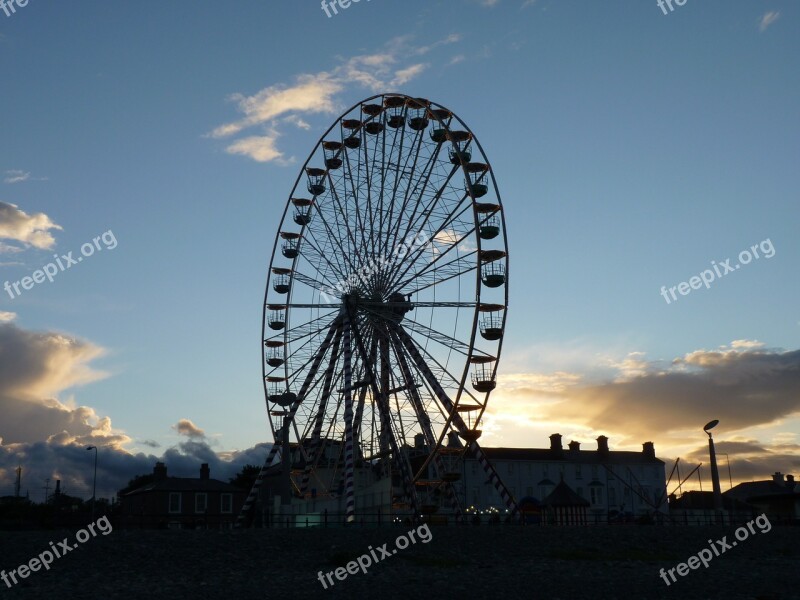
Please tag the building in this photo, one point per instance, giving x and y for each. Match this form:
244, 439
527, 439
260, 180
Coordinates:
613, 483
779, 498
697, 508
182, 502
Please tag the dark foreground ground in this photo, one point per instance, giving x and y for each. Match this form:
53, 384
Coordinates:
495, 562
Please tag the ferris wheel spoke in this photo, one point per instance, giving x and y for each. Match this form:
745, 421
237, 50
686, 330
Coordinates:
436, 239
455, 268
410, 191
319, 258
420, 189
441, 338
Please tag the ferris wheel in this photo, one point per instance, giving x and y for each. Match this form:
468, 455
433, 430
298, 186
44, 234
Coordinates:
385, 306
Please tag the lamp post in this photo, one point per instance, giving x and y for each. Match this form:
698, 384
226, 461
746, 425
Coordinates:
714, 471
94, 482
728, 460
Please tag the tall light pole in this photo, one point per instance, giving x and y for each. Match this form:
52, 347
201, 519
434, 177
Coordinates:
728, 460
714, 471
94, 483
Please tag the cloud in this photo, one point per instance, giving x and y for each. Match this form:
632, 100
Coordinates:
768, 19
5, 317
31, 230
309, 94
189, 429
150, 443
16, 176
743, 388
19, 176
48, 436
317, 94
259, 148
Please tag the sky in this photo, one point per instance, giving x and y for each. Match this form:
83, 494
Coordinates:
634, 148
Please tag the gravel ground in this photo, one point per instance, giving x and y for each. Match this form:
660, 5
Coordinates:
525, 562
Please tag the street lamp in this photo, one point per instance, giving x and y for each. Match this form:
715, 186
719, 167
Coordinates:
728, 460
94, 483
714, 471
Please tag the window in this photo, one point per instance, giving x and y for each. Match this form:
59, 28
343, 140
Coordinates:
529, 491
612, 496
226, 503
174, 502
544, 470
580, 492
594, 471
578, 472
200, 502
510, 467
596, 494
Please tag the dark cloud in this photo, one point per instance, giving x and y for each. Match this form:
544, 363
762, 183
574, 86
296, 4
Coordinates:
48, 438
743, 388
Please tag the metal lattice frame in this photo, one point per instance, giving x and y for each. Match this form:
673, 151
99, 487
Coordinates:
391, 246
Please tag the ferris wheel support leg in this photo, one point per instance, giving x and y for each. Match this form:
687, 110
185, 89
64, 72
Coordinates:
323, 402
425, 423
348, 424
385, 416
458, 422
244, 516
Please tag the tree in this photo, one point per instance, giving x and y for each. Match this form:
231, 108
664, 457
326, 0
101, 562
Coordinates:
245, 478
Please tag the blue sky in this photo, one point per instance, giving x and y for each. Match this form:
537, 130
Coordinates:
631, 149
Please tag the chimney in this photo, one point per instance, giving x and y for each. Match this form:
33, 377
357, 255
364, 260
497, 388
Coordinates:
649, 450
160, 471
205, 472
602, 445
419, 441
58, 487
574, 447
555, 442
790, 482
453, 440
778, 477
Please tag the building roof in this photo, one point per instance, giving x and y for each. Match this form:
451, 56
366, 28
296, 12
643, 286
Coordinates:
697, 500
185, 484
572, 456
563, 495
753, 489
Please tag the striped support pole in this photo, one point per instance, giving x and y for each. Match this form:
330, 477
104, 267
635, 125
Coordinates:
386, 427
425, 422
244, 516
349, 484
457, 421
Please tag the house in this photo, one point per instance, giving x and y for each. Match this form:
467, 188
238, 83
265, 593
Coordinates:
181, 502
779, 498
